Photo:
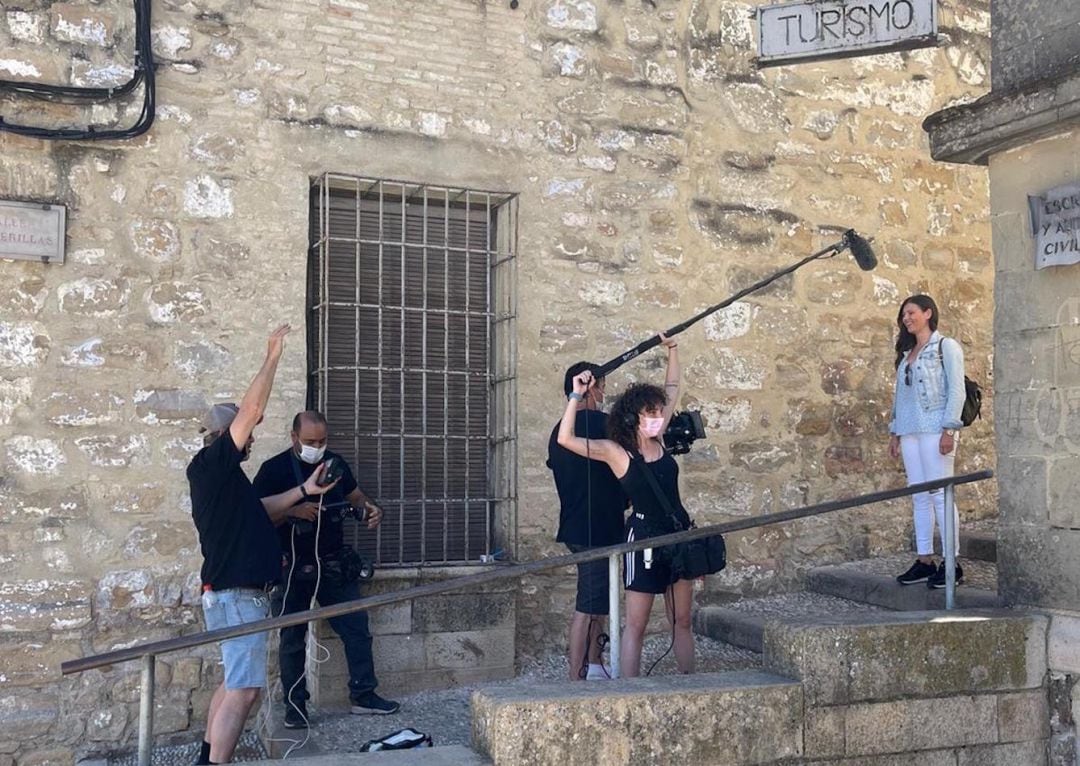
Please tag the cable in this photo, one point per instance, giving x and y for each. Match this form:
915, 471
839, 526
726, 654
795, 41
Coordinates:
144, 74
671, 595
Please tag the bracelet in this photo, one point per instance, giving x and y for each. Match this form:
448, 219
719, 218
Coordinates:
575, 396
304, 494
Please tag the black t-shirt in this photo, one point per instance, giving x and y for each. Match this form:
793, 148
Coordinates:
238, 543
283, 472
587, 488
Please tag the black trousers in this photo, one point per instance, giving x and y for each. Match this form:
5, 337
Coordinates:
352, 628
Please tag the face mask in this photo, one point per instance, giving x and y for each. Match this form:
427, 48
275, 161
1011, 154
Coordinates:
311, 455
651, 426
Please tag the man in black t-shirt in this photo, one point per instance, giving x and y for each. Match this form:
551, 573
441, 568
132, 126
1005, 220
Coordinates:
315, 552
241, 556
592, 505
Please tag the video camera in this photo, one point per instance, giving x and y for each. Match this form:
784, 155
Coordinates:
339, 512
683, 429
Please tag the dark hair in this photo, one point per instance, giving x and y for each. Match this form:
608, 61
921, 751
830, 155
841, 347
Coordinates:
311, 416
623, 420
905, 341
573, 371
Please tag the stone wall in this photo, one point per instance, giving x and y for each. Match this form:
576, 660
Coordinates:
1033, 40
658, 171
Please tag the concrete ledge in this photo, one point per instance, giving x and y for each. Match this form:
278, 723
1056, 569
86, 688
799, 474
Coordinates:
978, 544
713, 719
883, 590
452, 755
889, 656
730, 626
1017, 754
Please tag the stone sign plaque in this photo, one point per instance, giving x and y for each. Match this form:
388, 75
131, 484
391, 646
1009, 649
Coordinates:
32, 232
1055, 225
829, 29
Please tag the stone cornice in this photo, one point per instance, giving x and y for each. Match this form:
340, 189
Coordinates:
970, 133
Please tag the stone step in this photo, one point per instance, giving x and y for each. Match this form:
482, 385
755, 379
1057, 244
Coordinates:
721, 719
873, 581
451, 755
979, 543
742, 623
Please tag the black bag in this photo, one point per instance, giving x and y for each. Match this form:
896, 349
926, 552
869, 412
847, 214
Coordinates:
972, 394
689, 559
402, 739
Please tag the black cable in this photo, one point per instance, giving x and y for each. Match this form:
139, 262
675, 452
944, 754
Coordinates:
144, 74
671, 595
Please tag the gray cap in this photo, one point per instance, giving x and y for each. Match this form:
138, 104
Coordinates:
219, 417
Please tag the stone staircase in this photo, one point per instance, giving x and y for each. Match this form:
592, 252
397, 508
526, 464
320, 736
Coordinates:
854, 670
857, 587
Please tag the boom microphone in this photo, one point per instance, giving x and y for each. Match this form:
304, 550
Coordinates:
860, 250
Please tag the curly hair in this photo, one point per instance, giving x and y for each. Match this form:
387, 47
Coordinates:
624, 418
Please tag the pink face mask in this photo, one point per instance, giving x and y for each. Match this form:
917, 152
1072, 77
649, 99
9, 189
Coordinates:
651, 426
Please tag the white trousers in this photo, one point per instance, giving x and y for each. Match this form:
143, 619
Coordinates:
923, 461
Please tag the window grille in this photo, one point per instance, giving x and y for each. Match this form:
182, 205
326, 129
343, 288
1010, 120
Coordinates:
411, 356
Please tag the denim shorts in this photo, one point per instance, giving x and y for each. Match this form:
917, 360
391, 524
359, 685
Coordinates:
244, 658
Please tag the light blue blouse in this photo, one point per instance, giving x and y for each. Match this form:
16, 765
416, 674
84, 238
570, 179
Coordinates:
934, 398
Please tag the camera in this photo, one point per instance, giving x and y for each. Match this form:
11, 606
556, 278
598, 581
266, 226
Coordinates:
338, 512
683, 430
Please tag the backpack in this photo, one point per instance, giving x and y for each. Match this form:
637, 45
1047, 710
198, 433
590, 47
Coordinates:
972, 394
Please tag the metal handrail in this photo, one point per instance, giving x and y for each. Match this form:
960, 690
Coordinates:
154, 648
148, 652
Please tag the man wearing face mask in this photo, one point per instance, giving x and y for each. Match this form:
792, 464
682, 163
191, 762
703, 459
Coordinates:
315, 549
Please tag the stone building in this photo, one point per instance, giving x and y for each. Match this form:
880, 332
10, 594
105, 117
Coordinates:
1025, 131
479, 195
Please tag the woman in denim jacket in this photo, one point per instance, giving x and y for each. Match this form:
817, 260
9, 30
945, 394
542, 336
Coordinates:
927, 403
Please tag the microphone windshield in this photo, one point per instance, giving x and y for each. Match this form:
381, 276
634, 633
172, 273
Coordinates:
860, 250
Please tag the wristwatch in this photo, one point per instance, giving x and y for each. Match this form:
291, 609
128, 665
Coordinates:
304, 495
575, 396
949, 431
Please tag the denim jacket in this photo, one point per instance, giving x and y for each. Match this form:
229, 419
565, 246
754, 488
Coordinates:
937, 376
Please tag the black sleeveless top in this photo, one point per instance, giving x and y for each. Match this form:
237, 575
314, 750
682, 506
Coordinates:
656, 521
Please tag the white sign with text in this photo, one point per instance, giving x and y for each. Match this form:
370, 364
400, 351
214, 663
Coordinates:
32, 232
827, 29
1055, 225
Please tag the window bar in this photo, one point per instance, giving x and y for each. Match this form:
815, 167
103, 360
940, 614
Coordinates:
324, 293
401, 394
379, 424
488, 233
356, 338
424, 379
446, 373
468, 295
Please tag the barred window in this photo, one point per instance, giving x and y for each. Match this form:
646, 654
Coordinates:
411, 354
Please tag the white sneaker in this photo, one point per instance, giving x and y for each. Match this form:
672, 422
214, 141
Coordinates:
595, 672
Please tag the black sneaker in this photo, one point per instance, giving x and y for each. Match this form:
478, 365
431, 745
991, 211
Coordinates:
372, 704
919, 572
937, 580
296, 716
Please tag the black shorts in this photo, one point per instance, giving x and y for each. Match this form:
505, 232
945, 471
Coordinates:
646, 571
592, 584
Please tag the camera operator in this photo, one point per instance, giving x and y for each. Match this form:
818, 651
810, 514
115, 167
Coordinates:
592, 505
241, 556
315, 551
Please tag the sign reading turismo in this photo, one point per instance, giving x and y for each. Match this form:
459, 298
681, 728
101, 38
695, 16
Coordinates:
827, 29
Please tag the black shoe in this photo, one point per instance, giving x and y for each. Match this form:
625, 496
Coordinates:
937, 580
372, 704
296, 716
919, 572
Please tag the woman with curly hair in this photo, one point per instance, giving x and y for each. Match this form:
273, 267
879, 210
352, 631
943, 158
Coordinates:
637, 420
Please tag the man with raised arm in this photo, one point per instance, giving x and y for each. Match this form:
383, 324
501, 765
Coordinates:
241, 555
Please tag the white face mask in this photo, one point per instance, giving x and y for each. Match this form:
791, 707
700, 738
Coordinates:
651, 426
311, 455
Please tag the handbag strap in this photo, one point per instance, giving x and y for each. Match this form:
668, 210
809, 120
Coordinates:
664, 502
